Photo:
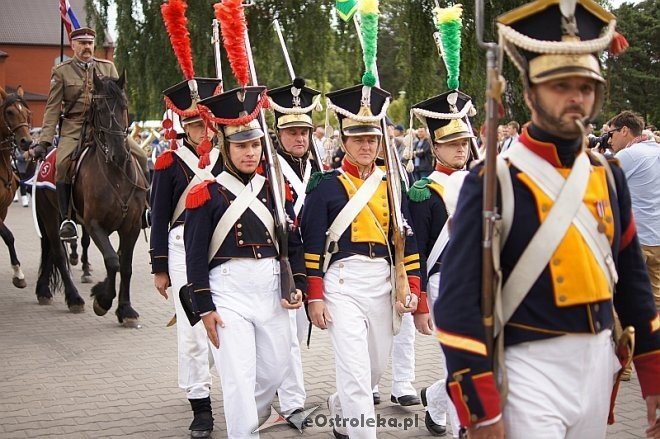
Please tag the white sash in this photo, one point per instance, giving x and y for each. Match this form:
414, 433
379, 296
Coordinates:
191, 160
443, 238
439, 178
568, 208
246, 198
349, 212
298, 186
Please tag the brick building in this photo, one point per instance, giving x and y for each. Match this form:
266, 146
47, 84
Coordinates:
30, 47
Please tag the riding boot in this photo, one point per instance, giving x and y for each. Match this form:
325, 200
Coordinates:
68, 230
202, 423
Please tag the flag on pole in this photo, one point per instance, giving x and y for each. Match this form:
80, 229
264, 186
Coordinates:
68, 17
346, 8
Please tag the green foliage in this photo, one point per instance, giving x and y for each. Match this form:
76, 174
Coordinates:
632, 77
326, 51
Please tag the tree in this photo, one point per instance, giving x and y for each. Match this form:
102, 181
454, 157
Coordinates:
632, 77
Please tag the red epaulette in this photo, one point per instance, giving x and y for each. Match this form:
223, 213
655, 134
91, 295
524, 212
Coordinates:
199, 195
164, 160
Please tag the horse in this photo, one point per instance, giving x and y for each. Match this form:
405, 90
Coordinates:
15, 124
110, 194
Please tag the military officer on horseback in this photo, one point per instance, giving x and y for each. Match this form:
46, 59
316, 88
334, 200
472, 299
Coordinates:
68, 105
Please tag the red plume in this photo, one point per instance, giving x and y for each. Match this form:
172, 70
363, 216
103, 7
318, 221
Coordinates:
176, 23
619, 44
231, 16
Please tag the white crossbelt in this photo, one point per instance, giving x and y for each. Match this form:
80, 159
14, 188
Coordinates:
443, 237
191, 160
349, 212
246, 198
298, 186
568, 208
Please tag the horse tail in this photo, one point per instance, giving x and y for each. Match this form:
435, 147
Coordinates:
47, 262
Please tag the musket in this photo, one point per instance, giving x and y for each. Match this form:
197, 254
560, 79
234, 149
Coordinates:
313, 147
215, 42
282, 221
494, 87
395, 175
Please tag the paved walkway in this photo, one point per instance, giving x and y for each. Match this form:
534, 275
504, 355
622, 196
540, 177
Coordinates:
83, 376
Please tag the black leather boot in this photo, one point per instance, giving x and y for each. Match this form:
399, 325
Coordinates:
68, 231
202, 424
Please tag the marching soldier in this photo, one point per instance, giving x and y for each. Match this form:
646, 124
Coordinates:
429, 212
569, 252
176, 173
232, 266
346, 231
293, 105
69, 101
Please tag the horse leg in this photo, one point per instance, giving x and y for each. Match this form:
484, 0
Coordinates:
86, 277
19, 278
104, 292
73, 255
125, 313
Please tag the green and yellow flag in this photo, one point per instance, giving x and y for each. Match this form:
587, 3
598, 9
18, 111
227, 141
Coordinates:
346, 8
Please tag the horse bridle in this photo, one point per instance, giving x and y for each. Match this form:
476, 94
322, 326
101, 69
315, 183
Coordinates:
11, 137
99, 131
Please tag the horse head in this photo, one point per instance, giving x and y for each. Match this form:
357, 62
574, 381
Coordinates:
15, 120
109, 117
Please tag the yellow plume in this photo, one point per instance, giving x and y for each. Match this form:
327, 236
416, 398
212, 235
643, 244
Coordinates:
368, 6
445, 15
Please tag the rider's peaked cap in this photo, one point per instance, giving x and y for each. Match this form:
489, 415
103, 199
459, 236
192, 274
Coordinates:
551, 39
445, 127
290, 100
236, 104
351, 100
182, 99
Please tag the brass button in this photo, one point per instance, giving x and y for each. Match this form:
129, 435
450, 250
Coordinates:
545, 208
178, 237
384, 213
355, 221
601, 227
258, 255
341, 265
239, 233
341, 281
383, 197
384, 204
239, 225
231, 201
268, 241
258, 247
560, 279
562, 298
240, 242
355, 229
465, 398
556, 261
608, 219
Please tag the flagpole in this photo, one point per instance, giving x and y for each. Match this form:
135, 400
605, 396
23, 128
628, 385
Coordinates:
61, 40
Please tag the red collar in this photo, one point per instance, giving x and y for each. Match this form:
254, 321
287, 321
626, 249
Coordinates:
351, 168
445, 169
547, 151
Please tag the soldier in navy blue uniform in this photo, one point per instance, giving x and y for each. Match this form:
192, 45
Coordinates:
176, 172
346, 231
293, 105
233, 269
451, 137
569, 253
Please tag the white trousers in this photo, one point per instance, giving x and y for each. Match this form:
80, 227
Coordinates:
358, 298
193, 343
439, 402
560, 387
255, 342
403, 358
292, 391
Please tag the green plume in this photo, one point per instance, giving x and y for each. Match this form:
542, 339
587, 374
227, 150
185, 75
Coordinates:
449, 24
369, 30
